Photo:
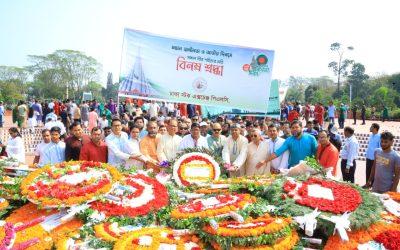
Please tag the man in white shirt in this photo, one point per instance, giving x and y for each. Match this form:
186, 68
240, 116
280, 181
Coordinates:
274, 143
54, 152
235, 151
154, 108
39, 149
116, 141
51, 104
349, 155
194, 139
168, 146
103, 122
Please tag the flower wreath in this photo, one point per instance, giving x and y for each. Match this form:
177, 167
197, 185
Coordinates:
285, 243
69, 183
264, 230
213, 206
195, 161
145, 194
153, 238
345, 198
370, 205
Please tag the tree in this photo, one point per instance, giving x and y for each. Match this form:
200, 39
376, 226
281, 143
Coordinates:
12, 84
295, 94
357, 79
67, 69
309, 93
340, 68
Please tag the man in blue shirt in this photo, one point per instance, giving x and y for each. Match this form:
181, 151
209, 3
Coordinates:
374, 143
310, 129
300, 146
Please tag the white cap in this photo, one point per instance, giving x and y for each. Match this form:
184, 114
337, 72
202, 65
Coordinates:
203, 124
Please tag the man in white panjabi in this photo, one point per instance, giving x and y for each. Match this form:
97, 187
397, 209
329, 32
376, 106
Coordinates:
235, 151
168, 145
116, 142
256, 151
194, 139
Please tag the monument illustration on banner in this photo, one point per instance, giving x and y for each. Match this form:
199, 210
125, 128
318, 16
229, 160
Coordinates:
136, 82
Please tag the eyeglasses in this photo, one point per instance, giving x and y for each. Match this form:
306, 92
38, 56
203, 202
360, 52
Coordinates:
183, 128
217, 130
253, 136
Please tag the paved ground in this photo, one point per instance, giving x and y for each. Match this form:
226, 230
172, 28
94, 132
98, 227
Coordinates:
393, 127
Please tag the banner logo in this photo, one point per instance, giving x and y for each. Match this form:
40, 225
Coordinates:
199, 84
257, 66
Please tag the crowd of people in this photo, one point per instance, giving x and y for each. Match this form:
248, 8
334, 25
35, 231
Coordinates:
143, 134
326, 114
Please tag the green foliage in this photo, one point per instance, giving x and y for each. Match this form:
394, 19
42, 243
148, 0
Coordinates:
66, 70
264, 239
295, 94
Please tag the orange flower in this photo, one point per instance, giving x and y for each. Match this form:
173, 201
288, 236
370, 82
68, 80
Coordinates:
130, 241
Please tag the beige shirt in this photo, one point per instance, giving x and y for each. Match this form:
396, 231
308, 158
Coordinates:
235, 153
168, 147
256, 154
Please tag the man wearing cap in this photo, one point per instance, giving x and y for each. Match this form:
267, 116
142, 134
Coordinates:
235, 151
194, 139
204, 129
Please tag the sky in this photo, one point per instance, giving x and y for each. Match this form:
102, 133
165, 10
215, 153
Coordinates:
299, 31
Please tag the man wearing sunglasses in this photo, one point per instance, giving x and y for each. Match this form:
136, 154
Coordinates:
216, 140
182, 129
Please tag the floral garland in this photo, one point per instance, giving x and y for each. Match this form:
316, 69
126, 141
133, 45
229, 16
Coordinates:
390, 239
146, 195
285, 243
187, 161
212, 206
153, 238
362, 236
7, 234
29, 212
69, 183
108, 231
345, 198
249, 228
211, 191
26, 235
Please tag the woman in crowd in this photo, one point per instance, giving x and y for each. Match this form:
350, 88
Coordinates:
15, 147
